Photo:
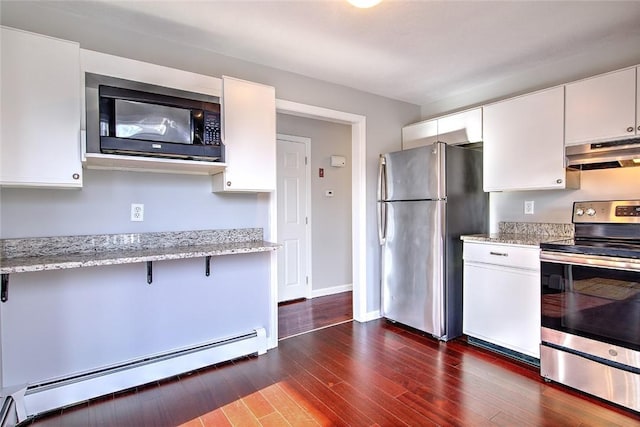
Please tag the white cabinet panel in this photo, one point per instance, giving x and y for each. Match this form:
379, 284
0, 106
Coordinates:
501, 303
502, 306
524, 142
601, 108
461, 128
419, 134
457, 128
638, 101
41, 110
249, 136
510, 256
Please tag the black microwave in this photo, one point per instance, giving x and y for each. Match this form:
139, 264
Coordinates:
140, 123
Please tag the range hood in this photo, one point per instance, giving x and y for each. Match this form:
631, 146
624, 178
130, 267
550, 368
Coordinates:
604, 155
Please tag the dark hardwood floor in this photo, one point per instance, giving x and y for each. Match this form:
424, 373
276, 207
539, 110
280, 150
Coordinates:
306, 315
359, 374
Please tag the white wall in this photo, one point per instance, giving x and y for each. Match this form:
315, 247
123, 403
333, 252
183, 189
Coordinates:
331, 217
556, 205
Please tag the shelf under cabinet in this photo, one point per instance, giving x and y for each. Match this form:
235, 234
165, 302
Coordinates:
151, 164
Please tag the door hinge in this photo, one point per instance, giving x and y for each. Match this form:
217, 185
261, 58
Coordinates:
306, 220
306, 159
307, 279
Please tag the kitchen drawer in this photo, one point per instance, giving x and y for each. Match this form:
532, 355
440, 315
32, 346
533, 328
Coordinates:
505, 255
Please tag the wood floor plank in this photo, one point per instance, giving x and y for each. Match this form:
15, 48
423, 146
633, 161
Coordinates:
274, 420
239, 415
287, 407
351, 370
373, 407
309, 314
317, 410
348, 413
215, 418
258, 405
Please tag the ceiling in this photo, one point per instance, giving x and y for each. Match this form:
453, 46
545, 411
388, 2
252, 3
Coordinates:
441, 55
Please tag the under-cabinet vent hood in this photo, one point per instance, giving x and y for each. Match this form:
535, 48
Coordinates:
604, 155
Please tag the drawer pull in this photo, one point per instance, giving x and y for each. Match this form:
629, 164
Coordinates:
498, 253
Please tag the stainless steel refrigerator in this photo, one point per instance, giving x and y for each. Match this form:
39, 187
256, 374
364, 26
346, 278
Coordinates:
427, 198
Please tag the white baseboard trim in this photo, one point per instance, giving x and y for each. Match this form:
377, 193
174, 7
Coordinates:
371, 315
37, 401
331, 291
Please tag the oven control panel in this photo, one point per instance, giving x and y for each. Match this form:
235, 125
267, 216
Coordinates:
627, 210
613, 211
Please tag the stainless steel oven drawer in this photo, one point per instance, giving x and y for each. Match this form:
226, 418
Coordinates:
604, 381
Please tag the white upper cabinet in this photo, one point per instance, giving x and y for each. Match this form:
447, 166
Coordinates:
249, 136
461, 128
457, 128
41, 110
602, 108
523, 143
419, 134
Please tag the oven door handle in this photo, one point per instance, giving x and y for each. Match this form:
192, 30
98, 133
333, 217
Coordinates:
628, 264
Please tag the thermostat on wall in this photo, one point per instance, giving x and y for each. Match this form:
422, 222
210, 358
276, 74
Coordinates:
338, 161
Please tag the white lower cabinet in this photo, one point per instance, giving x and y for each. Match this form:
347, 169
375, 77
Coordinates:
501, 303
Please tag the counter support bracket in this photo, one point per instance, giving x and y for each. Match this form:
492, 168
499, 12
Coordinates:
149, 272
207, 266
4, 288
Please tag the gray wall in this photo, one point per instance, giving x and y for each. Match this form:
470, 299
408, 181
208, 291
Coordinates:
103, 205
556, 205
330, 217
385, 117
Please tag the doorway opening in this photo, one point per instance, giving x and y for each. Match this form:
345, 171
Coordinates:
358, 125
314, 225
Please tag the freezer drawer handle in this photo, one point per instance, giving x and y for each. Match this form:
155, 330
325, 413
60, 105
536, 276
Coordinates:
499, 253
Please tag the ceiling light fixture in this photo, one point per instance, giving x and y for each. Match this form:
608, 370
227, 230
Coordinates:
363, 4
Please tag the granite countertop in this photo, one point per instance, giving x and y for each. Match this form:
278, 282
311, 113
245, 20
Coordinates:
512, 239
55, 253
524, 233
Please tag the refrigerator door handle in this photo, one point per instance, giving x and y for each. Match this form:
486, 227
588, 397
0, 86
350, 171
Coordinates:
382, 178
382, 207
382, 223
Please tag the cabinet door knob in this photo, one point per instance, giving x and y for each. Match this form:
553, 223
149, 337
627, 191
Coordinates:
630, 129
559, 181
75, 176
228, 183
638, 128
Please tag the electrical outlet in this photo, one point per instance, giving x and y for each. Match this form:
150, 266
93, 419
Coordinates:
528, 207
137, 212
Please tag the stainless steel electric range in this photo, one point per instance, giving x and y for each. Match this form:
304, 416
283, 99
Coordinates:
590, 288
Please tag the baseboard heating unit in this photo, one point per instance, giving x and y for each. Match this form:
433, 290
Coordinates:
46, 396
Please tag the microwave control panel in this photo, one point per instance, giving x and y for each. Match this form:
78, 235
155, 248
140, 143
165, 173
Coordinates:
212, 131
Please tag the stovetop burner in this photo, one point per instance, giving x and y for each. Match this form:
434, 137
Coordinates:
603, 228
613, 248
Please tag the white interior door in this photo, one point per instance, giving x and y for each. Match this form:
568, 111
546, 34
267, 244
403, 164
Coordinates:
293, 218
